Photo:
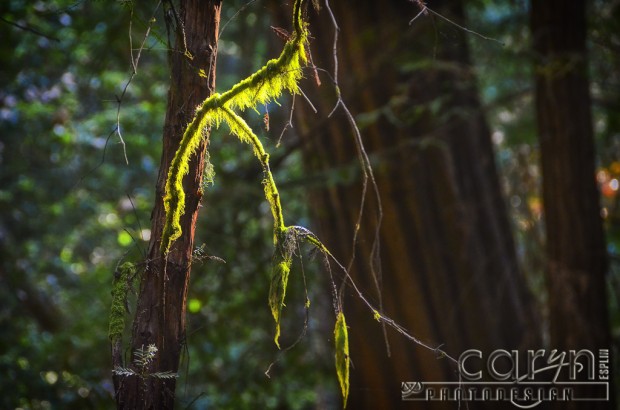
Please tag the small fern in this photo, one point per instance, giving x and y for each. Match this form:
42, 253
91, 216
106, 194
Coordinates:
142, 359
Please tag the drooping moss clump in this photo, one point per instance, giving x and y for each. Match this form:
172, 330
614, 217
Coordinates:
120, 287
282, 259
341, 338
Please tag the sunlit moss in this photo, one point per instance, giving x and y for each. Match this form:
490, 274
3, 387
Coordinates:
277, 289
268, 83
341, 338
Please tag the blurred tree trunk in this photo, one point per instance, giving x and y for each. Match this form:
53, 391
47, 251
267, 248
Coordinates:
160, 312
450, 272
576, 254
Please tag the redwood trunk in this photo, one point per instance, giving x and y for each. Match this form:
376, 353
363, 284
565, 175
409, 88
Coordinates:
576, 254
160, 312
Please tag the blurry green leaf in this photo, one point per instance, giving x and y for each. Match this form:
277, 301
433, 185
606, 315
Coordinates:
124, 239
194, 305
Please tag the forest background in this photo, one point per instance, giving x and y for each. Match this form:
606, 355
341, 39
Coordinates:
72, 207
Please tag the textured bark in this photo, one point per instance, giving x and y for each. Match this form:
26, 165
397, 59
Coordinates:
575, 249
450, 272
160, 312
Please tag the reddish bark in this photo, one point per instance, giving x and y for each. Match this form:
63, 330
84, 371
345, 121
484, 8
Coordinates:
575, 248
160, 312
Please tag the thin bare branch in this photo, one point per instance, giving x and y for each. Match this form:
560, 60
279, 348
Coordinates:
425, 10
134, 65
234, 16
367, 175
378, 314
289, 124
308, 100
29, 29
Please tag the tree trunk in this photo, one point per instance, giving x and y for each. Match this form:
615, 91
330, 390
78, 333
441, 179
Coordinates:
450, 272
160, 312
576, 254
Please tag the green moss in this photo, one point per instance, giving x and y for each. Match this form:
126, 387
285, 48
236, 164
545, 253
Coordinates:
341, 338
268, 83
174, 199
376, 315
120, 287
208, 178
281, 268
277, 290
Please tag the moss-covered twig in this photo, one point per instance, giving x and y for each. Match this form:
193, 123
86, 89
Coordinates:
268, 83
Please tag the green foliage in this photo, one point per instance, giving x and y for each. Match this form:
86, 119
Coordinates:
62, 208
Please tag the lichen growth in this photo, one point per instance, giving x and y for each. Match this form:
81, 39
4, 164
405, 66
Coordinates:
120, 287
376, 315
208, 177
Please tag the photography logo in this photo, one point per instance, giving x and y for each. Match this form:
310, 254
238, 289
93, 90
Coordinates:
542, 376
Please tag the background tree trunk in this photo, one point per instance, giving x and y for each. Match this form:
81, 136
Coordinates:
450, 273
576, 254
160, 313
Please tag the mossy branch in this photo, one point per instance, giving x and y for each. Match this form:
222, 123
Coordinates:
245, 134
268, 83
